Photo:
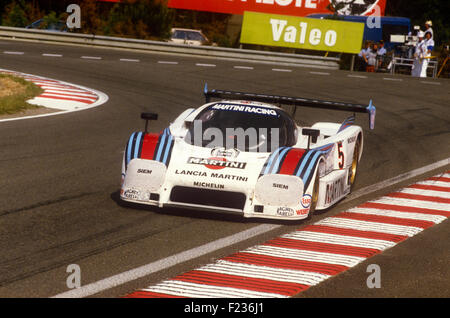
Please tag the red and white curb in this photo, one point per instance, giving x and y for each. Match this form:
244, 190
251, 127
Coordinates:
291, 263
63, 96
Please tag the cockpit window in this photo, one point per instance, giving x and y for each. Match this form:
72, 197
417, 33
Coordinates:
242, 126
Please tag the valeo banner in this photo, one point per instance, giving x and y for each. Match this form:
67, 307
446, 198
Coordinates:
302, 33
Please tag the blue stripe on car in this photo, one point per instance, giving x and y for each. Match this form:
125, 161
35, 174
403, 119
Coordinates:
129, 147
166, 154
271, 158
277, 162
136, 145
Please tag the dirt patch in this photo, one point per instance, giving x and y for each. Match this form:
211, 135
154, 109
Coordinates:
9, 87
14, 94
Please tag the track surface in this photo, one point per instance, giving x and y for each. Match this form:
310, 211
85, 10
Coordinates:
60, 175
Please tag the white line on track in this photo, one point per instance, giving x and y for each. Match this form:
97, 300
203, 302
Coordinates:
170, 261
281, 70
392, 79
13, 52
130, 60
397, 179
431, 83
319, 73
356, 76
51, 55
168, 62
91, 57
243, 67
195, 252
205, 65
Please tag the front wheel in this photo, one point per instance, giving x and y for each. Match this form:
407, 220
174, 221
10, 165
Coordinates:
314, 197
355, 161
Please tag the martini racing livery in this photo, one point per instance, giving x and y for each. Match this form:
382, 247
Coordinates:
245, 154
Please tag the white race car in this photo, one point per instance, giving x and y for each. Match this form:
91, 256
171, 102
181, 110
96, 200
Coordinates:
244, 154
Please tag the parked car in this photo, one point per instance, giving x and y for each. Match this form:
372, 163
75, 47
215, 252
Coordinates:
188, 36
41, 24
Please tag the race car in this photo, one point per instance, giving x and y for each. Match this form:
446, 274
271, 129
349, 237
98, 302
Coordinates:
245, 154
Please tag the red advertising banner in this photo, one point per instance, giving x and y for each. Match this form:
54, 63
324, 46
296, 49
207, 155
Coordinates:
299, 8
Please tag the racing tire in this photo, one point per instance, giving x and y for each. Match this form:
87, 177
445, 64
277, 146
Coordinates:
355, 161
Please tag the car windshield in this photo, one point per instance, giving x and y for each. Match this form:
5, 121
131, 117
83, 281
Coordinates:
188, 35
179, 35
242, 126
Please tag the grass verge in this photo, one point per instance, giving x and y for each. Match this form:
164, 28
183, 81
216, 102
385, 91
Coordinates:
14, 93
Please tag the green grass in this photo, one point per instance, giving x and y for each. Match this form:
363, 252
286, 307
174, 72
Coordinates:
16, 102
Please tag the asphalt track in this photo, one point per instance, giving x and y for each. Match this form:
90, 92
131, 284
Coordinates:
61, 174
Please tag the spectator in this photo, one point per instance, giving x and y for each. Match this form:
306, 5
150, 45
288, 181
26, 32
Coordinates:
429, 46
362, 61
371, 58
419, 55
381, 50
381, 54
428, 28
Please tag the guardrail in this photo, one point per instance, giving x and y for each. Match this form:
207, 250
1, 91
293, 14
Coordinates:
299, 60
400, 61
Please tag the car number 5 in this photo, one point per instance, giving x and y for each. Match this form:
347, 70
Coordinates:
340, 156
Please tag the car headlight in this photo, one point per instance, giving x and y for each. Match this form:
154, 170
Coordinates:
279, 190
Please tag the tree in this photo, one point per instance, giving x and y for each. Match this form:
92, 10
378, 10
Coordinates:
20, 13
140, 18
420, 11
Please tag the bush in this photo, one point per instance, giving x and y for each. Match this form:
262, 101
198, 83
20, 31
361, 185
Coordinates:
139, 19
20, 13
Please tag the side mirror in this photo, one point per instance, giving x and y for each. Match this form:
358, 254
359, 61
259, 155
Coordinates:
312, 134
147, 117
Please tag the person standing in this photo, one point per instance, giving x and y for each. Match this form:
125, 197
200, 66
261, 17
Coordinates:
371, 58
428, 28
381, 54
362, 61
429, 46
419, 55
381, 50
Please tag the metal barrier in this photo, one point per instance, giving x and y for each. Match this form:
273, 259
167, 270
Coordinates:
400, 61
299, 60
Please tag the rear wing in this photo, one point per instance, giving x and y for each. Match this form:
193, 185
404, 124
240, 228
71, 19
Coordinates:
293, 101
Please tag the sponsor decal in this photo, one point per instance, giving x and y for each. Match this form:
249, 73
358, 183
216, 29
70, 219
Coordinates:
302, 211
191, 173
222, 152
280, 186
283, 211
216, 163
147, 171
306, 201
208, 185
334, 190
228, 177
131, 194
302, 33
246, 109
289, 7
217, 175
351, 140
